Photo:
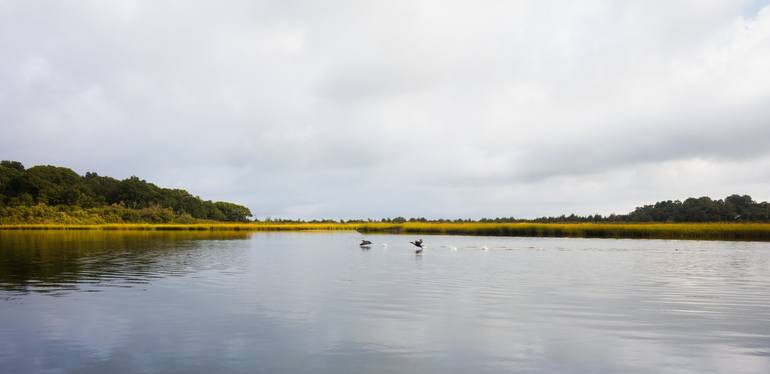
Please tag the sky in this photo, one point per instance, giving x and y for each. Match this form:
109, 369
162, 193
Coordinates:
370, 109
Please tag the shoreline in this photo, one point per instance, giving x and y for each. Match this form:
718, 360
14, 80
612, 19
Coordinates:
677, 231
182, 227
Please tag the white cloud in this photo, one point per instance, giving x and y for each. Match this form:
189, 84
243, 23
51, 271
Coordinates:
370, 108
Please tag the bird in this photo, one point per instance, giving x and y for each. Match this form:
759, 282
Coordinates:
418, 244
365, 243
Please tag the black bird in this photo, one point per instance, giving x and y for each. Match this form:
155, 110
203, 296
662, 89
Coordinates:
364, 243
418, 244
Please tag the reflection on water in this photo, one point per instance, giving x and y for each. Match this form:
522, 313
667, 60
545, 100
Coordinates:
96, 302
59, 261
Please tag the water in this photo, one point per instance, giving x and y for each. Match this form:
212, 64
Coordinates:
143, 302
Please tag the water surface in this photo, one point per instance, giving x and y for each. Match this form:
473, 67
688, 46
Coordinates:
181, 302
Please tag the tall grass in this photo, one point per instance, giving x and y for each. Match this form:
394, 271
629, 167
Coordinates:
707, 231
189, 227
710, 231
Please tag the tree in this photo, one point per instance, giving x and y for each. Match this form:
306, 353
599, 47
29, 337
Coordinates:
16, 165
58, 186
233, 212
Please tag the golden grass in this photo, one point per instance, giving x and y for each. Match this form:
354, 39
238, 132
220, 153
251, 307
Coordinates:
710, 231
714, 231
188, 227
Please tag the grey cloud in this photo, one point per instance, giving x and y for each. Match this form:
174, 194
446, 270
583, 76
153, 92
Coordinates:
372, 109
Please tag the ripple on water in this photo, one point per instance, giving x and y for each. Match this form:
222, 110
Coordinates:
536, 305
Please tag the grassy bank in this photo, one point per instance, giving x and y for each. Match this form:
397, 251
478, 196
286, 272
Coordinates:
704, 231
190, 227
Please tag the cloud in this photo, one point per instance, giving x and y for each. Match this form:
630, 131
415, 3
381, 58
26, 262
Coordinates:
367, 108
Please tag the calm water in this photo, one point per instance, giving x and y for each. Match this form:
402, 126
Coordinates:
133, 302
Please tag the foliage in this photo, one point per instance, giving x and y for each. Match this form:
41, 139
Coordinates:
74, 215
703, 209
57, 194
16, 165
734, 208
61, 195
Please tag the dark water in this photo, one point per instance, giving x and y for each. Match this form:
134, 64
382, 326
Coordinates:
134, 302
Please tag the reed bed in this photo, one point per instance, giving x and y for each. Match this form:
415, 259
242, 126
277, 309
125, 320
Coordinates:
189, 227
701, 231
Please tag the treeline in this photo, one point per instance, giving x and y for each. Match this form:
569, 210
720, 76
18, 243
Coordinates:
57, 194
734, 208
51, 194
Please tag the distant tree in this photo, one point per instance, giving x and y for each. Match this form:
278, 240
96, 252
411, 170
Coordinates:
16, 165
137, 193
7, 175
58, 186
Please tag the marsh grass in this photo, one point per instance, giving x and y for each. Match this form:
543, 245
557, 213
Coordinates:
189, 227
702, 231
709, 231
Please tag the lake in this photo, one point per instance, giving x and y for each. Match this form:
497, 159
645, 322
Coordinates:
236, 302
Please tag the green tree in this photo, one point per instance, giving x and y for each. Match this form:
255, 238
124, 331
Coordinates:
16, 165
233, 212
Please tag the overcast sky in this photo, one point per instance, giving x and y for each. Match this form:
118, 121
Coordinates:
342, 109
